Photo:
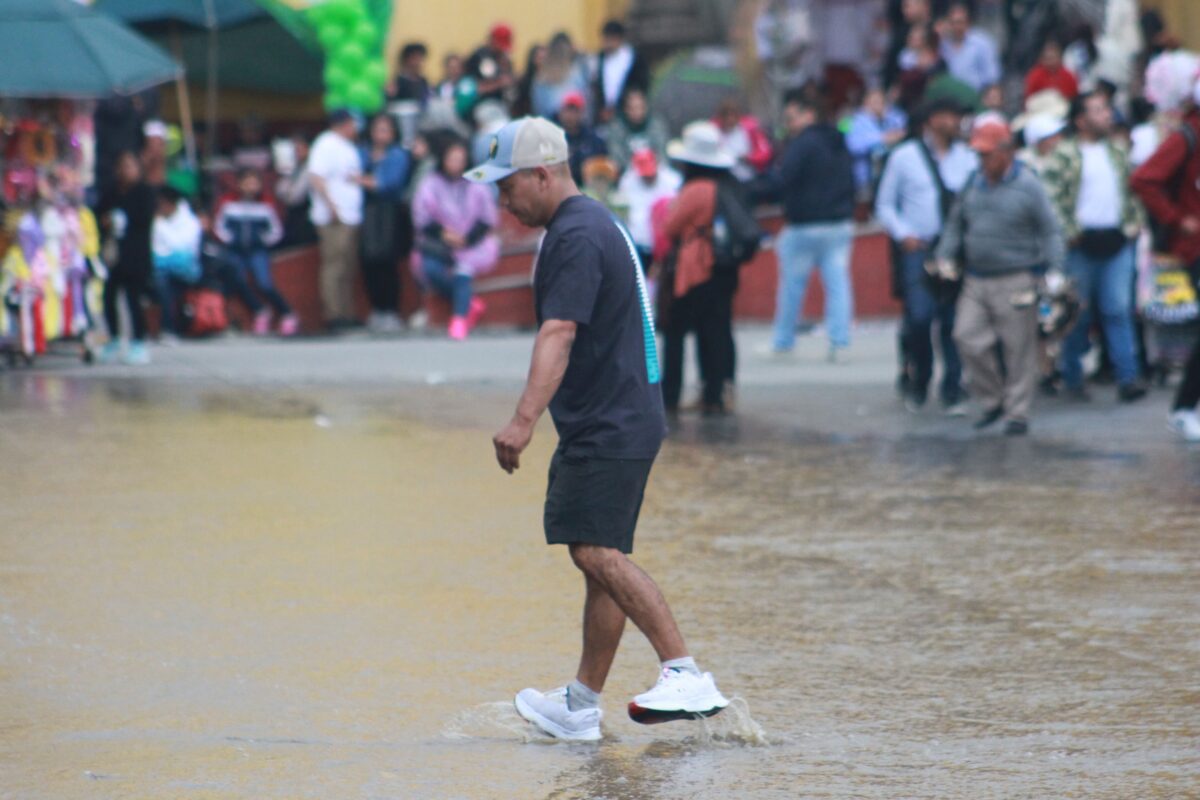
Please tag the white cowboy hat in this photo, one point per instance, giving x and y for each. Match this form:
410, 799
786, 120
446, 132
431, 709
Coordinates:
1041, 127
701, 144
1047, 102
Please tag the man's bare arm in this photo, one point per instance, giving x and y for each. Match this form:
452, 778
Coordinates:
551, 354
322, 189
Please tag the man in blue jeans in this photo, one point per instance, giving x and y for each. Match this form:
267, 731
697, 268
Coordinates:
815, 180
922, 176
1088, 181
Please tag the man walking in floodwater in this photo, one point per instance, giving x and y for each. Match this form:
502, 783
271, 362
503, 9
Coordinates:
595, 366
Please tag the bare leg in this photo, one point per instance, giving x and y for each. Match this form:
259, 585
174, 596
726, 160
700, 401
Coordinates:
603, 624
635, 593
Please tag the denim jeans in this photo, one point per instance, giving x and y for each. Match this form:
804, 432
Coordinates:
449, 284
920, 311
257, 265
798, 248
1104, 285
169, 290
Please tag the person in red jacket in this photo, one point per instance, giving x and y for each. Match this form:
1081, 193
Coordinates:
1049, 73
1169, 186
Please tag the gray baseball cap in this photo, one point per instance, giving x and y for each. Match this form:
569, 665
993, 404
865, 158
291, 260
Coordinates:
521, 144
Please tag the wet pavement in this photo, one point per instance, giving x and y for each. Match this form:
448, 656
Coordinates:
294, 570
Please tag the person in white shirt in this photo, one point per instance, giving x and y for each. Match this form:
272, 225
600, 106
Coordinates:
644, 184
175, 242
335, 175
1088, 180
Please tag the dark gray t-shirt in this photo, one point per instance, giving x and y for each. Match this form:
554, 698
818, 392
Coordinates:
609, 404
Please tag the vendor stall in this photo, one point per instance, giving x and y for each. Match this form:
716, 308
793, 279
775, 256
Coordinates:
59, 57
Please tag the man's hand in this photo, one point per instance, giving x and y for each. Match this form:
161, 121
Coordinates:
511, 442
1190, 225
911, 244
455, 240
551, 352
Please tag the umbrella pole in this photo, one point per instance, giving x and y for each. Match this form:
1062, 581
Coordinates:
185, 101
185, 120
210, 100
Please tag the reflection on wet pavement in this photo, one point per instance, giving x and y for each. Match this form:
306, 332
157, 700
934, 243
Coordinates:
206, 593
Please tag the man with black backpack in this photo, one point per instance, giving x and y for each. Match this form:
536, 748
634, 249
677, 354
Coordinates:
916, 192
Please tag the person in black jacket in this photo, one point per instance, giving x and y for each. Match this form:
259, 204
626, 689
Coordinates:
127, 213
814, 177
619, 69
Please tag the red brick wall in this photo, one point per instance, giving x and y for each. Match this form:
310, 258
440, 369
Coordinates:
295, 275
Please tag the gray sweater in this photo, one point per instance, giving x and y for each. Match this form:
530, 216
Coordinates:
1008, 227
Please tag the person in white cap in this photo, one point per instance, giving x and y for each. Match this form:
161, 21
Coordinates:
1042, 133
595, 367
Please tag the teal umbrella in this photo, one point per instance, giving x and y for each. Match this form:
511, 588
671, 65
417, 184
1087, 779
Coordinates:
216, 13
58, 48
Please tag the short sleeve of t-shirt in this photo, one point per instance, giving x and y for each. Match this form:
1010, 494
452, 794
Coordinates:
571, 279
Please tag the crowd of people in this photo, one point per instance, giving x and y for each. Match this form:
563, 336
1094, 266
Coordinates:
1016, 203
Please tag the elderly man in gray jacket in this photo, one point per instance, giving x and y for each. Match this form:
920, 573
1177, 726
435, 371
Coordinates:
1003, 231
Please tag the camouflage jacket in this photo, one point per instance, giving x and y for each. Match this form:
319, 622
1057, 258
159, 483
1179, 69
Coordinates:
1061, 173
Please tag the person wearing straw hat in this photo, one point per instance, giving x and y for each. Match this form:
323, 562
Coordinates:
701, 293
595, 368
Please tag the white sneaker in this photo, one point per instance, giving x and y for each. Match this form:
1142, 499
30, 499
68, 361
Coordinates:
958, 409
678, 695
771, 351
1186, 425
389, 323
549, 713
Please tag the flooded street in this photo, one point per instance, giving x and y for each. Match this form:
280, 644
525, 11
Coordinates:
208, 591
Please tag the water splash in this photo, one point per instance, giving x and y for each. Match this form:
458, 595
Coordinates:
493, 720
733, 726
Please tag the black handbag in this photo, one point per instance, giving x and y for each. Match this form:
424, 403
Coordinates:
1102, 243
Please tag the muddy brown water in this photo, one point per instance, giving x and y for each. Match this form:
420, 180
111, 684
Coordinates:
215, 594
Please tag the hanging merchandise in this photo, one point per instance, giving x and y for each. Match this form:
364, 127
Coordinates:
51, 274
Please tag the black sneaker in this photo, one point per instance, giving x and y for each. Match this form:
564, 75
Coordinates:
1016, 427
1131, 392
989, 418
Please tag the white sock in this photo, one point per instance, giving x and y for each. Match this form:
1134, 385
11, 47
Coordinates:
685, 664
580, 697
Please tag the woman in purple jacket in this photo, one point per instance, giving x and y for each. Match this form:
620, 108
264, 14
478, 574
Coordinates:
456, 227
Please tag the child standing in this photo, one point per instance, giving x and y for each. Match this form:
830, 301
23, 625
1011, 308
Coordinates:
248, 227
176, 245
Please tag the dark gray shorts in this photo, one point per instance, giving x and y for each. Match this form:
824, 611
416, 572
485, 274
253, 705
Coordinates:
595, 500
